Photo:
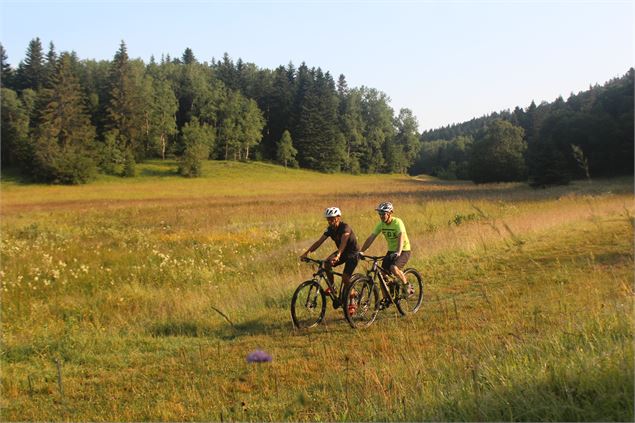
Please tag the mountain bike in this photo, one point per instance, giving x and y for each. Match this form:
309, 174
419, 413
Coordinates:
363, 294
308, 304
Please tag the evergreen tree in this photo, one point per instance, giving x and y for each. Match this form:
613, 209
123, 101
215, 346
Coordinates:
188, 57
31, 72
286, 153
14, 125
126, 109
318, 141
50, 65
278, 109
342, 87
351, 125
65, 136
6, 73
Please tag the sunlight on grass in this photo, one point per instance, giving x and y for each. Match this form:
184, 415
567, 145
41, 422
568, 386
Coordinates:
150, 292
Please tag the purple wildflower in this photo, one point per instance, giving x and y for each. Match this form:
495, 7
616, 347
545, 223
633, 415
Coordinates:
258, 356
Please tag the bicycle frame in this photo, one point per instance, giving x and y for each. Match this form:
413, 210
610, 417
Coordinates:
320, 275
378, 272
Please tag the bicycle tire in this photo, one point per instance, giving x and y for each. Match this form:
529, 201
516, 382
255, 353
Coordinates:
410, 302
363, 311
311, 307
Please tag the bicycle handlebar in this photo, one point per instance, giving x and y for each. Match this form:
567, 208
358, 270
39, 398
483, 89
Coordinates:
367, 257
310, 260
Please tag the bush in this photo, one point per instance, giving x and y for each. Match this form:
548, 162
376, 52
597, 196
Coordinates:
190, 164
70, 167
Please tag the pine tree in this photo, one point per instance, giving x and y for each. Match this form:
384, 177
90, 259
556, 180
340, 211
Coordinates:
188, 57
126, 108
342, 87
14, 125
320, 145
50, 65
31, 72
65, 136
6, 73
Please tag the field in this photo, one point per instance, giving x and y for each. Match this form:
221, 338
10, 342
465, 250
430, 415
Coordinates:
139, 299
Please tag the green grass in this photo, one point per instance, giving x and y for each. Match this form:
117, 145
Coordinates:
527, 314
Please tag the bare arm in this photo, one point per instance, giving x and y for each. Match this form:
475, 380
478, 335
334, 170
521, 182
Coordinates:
315, 245
368, 242
400, 243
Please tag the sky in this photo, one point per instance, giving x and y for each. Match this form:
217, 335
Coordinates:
448, 61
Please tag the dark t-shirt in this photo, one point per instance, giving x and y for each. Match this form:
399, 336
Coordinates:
336, 235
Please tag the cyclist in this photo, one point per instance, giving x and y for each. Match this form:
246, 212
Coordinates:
398, 243
347, 248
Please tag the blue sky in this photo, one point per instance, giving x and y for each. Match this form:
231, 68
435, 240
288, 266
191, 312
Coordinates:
446, 61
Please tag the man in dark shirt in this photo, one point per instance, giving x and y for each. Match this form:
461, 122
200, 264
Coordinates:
345, 240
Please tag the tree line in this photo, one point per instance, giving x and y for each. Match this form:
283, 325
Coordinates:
66, 119
591, 133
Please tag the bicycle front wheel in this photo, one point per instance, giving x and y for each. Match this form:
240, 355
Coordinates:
409, 297
308, 305
361, 302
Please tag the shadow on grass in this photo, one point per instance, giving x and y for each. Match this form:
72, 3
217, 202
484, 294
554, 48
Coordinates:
14, 176
160, 172
605, 395
224, 331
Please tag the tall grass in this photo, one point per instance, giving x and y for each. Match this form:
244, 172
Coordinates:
150, 292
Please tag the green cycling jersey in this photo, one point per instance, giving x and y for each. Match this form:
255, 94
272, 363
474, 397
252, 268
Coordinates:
391, 231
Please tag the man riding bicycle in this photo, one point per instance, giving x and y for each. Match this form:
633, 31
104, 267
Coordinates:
347, 248
398, 243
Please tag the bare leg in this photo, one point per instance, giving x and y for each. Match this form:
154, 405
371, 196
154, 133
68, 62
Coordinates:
397, 272
345, 281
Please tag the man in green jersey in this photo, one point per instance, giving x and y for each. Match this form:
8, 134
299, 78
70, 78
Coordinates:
398, 243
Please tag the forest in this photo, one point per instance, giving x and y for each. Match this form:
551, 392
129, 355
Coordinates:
66, 119
589, 134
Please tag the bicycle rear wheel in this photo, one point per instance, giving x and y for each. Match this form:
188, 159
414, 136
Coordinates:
361, 302
409, 298
308, 305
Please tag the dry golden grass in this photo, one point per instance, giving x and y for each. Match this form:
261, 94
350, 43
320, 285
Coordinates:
528, 310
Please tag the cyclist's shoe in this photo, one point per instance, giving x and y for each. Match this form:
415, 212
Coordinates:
410, 290
352, 309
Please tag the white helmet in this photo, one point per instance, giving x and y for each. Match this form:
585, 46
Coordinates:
332, 212
385, 207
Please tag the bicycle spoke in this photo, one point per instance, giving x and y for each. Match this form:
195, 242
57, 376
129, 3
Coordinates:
308, 305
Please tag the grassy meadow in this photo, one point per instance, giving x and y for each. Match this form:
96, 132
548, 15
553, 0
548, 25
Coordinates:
139, 299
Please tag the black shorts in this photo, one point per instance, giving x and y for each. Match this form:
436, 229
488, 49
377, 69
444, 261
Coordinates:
400, 262
350, 263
